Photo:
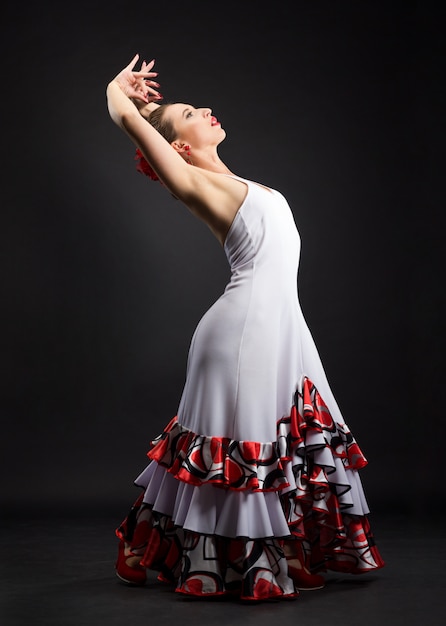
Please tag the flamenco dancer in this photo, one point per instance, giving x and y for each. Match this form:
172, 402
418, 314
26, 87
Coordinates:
253, 488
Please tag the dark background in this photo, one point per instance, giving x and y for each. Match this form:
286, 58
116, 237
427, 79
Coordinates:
104, 276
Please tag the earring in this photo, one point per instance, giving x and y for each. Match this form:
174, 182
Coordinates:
188, 153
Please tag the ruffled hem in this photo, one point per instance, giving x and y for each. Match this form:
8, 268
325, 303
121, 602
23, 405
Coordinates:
209, 510
207, 566
310, 444
197, 459
206, 498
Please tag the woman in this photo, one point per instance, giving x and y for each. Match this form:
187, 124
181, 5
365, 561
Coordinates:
253, 488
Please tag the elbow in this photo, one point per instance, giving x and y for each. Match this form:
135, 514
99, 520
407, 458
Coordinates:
129, 120
123, 119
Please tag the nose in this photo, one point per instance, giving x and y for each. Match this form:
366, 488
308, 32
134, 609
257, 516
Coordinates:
206, 111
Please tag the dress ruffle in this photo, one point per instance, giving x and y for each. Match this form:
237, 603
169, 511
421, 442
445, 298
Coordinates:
204, 565
197, 459
309, 443
207, 497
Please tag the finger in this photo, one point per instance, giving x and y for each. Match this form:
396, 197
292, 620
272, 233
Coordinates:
154, 98
139, 94
145, 75
151, 83
154, 95
146, 67
150, 87
132, 63
145, 70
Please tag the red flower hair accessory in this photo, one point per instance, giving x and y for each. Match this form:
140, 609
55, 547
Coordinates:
144, 166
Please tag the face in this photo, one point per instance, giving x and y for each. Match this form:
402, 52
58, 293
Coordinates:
197, 127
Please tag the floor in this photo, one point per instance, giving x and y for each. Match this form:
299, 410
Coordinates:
59, 571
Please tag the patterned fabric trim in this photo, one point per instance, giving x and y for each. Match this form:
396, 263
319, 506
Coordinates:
309, 439
249, 569
207, 566
313, 465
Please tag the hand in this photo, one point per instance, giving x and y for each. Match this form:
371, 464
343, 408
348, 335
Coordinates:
139, 85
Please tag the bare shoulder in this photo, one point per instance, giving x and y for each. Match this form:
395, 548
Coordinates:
216, 199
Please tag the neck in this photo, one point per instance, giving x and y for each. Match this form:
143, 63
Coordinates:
210, 161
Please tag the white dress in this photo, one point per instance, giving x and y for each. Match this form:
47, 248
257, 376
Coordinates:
244, 459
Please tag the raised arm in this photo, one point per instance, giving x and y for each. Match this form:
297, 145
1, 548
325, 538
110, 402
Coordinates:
211, 196
131, 85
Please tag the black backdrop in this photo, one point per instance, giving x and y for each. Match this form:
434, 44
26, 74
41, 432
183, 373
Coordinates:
105, 276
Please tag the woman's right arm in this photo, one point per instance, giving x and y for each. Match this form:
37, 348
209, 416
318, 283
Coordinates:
127, 94
212, 197
130, 85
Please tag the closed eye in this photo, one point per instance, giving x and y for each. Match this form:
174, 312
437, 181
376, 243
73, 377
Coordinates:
187, 113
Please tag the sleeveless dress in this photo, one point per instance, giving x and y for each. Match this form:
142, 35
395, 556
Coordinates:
259, 451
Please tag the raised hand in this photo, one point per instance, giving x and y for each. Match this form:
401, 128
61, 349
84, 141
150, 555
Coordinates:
139, 85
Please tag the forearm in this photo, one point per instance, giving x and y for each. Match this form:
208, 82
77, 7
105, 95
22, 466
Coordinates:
119, 105
128, 118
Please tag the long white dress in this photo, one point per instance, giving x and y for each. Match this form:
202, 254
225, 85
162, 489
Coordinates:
259, 450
